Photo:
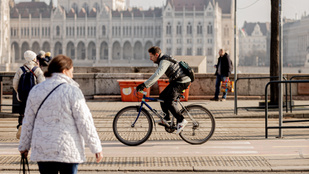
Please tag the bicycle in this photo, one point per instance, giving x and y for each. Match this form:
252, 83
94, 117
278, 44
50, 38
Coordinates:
133, 125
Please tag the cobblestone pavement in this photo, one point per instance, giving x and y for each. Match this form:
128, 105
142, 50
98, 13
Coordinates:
249, 124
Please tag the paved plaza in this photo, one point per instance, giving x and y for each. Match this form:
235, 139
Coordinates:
238, 145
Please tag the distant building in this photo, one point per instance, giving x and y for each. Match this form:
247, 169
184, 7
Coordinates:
254, 39
107, 33
296, 42
4, 32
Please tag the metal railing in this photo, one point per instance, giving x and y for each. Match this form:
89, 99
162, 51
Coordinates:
246, 78
266, 109
1, 92
291, 92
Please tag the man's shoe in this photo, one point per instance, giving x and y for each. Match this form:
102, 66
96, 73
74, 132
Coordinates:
214, 99
223, 100
181, 126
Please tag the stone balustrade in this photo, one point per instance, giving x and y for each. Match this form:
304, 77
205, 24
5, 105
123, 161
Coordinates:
106, 83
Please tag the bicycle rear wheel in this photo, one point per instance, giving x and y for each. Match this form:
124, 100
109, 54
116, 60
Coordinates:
201, 128
128, 134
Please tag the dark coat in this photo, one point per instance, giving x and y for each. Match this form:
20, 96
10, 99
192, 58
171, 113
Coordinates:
226, 65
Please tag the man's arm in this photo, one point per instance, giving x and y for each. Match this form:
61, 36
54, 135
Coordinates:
230, 65
164, 64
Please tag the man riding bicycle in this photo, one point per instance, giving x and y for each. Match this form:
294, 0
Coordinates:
179, 81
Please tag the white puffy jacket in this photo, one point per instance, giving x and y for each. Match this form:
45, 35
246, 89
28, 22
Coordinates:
62, 125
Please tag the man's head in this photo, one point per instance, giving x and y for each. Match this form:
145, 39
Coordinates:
41, 54
221, 52
154, 53
47, 54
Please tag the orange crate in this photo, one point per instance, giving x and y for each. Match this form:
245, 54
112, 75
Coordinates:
127, 88
163, 84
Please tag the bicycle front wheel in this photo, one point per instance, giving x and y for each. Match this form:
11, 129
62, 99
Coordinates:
201, 127
126, 132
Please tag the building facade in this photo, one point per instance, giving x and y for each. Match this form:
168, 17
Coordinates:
107, 33
296, 42
254, 39
4, 32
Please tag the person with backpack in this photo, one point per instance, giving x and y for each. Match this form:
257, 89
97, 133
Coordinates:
25, 78
224, 68
178, 79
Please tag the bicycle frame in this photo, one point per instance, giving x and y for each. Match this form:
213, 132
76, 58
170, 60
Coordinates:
143, 102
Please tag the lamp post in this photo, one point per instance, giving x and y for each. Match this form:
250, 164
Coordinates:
235, 54
280, 68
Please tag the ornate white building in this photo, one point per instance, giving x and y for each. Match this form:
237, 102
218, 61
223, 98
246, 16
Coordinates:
254, 39
107, 33
4, 33
296, 42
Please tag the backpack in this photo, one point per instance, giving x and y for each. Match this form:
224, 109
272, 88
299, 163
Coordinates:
184, 66
26, 82
187, 70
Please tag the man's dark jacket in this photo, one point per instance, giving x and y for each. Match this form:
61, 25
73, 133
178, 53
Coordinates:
226, 65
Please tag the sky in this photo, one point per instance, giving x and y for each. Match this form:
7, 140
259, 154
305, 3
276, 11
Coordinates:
247, 10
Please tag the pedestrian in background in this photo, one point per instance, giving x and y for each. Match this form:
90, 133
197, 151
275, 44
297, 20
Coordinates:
58, 130
30, 66
48, 57
224, 68
41, 59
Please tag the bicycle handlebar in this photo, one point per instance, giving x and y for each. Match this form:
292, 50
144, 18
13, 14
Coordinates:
143, 92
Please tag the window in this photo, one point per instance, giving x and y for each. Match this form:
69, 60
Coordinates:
209, 51
168, 29
199, 51
178, 51
226, 31
199, 28
209, 28
189, 51
168, 51
189, 28
57, 31
178, 29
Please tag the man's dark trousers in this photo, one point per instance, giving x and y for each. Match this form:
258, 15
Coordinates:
218, 82
169, 94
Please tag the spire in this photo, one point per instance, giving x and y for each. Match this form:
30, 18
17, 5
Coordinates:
51, 4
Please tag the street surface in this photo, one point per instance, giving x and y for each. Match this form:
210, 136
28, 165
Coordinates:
238, 145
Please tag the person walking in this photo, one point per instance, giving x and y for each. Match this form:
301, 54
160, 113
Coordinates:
43, 62
179, 81
48, 57
224, 68
58, 122
29, 67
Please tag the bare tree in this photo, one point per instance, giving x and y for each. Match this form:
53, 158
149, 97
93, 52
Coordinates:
274, 50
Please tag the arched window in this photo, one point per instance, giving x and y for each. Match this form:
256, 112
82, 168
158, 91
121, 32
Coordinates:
57, 31
199, 28
103, 30
178, 29
189, 28
209, 28
226, 31
168, 28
